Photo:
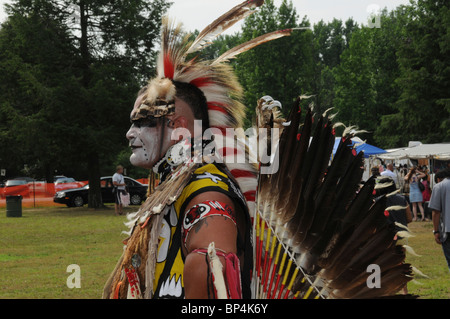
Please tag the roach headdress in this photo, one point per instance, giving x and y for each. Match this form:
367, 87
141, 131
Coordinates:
179, 61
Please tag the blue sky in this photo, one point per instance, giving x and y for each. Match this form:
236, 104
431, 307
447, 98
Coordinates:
196, 14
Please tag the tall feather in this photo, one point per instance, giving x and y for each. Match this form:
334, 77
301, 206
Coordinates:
225, 21
232, 53
173, 49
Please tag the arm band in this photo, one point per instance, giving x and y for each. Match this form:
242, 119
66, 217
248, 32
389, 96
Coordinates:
203, 210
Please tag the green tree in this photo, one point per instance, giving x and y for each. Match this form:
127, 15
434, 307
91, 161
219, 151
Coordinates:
113, 44
354, 95
35, 58
422, 111
366, 86
329, 42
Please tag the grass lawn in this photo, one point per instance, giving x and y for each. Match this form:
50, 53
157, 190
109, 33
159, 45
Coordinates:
37, 248
431, 262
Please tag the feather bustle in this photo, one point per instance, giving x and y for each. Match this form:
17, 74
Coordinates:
336, 229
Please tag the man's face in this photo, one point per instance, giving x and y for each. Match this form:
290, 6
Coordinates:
149, 139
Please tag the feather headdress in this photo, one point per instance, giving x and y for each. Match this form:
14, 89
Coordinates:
217, 82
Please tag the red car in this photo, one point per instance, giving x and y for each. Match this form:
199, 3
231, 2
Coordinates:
28, 187
16, 187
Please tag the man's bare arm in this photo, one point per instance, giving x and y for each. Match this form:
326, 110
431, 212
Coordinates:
218, 229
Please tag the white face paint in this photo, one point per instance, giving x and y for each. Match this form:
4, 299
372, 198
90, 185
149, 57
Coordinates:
149, 144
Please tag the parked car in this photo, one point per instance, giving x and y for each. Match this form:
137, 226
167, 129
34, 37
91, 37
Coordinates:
16, 187
28, 187
23, 186
77, 197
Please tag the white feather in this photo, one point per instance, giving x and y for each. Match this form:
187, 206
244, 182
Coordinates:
402, 226
217, 271
410, 250
404, 234
417, 271
396, 207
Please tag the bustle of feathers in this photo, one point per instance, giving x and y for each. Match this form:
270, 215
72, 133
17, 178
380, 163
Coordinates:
317, 235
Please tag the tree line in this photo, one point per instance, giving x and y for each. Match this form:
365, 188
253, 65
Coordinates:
391, 78
70, 71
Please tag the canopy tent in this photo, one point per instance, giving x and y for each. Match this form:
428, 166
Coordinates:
369, 150
360, 146
439, 151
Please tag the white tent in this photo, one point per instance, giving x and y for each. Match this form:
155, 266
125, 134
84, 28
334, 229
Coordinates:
440, 151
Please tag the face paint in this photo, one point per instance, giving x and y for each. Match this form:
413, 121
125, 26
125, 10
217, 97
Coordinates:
149, 139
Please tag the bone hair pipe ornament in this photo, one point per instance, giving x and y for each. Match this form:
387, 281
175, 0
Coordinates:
217, 272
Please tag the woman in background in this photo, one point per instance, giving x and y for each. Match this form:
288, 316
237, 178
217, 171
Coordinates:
415, 194
426, 194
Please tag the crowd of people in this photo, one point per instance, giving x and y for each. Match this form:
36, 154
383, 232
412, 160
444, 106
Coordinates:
411, 188
412, 182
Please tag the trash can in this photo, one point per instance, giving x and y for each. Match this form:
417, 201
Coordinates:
13, 206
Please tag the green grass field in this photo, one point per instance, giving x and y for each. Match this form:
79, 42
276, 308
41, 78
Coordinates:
431, 262
37, 248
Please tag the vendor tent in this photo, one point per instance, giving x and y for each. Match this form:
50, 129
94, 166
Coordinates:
439, 151
369, 150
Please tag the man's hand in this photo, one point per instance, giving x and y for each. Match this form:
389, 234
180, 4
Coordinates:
437, 238
436, 216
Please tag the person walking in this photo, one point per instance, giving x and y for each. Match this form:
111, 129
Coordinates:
426, 193
119, 188
440, 206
